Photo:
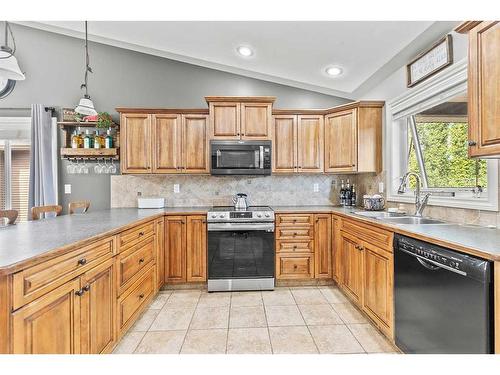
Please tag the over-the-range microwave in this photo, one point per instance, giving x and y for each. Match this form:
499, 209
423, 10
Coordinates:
240, 157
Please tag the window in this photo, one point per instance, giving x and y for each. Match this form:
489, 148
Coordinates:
428, 131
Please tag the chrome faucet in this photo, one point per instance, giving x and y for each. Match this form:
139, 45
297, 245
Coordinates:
420, 202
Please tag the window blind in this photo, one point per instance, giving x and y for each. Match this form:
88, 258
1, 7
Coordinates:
20, 175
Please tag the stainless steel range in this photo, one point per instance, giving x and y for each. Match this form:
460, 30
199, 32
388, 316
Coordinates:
240, 248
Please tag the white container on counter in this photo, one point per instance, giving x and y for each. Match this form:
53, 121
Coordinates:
151, 202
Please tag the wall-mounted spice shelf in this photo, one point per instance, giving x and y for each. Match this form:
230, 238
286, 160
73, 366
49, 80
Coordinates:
90, 153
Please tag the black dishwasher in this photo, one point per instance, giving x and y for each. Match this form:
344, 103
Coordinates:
443, 299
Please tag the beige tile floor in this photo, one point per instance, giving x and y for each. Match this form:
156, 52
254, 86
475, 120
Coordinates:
284, 321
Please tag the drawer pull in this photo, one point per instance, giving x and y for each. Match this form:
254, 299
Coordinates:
472, 143
141, 260
141, 296
82, 261
86, 288
141, 234
80, 292
295, 246
294, 266
294, 233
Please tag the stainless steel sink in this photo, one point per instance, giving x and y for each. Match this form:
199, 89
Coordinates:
379, 214
415, 220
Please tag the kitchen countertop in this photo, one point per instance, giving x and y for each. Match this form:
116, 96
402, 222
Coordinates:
25, 241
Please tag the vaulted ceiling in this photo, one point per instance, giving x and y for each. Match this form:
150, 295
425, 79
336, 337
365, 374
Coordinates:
292, 53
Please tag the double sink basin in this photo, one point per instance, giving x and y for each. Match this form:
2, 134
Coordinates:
397, 218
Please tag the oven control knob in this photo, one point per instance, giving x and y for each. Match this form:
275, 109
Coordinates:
221, 216
259, 215
214, 215
267, 215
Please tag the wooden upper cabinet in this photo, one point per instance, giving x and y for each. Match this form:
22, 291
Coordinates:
256, 121
484, 90
225, 120
136, 150
196, 248
323, 246
175, 249
167, 143
195, 144
309, 143
285, 144
50, 324
353, 138
98, 326
240, 117
340, 142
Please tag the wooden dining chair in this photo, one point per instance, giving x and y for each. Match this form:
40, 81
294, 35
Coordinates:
37, 211
83, 205
11, 215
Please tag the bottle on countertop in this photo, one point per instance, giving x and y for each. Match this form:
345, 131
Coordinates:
348, 194
342, 193
353, 196
108, 141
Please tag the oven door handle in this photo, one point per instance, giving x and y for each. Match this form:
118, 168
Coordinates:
261, 157
218, 153
248, 227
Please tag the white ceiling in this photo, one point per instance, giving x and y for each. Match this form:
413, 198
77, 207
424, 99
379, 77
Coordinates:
292, 53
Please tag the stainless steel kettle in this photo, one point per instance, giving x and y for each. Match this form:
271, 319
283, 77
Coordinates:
240, 201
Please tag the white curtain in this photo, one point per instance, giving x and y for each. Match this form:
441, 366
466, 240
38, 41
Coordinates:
43, 163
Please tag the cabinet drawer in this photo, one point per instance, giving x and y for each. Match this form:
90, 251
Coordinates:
132, 236
371, 234
294, 220
137, 296
285, 233
296, 266
133, 260
35, 281
294, 246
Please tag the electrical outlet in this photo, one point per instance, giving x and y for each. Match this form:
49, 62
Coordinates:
316, 188
380, 187
334, 184
67, 188
177, 188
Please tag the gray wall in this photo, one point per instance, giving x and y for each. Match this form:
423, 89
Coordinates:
54, 71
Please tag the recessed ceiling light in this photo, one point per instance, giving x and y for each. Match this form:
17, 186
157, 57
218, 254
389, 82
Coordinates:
333, 71
244, 51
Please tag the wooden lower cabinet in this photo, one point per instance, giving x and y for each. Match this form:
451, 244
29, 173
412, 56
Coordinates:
378, 284
352, 267
50, 324
295, 266
323, 246
97, 332
185, 248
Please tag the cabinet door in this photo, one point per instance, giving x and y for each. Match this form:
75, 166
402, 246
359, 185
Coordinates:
225, 120
160, 252
336, 247
196, 248
341, 142
285, 144
49, 324
256, 121
310, 143
352, 267
195, 144
98, 332
167, 141
136, 143
175, 252
323, 246
378, 286
484, 89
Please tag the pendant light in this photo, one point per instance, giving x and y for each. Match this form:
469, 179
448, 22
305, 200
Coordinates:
86, 106
9, 67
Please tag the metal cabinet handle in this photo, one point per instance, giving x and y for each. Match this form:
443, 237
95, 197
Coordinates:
79, 293
294, 266
86, 288
141, 260
141, 296
294, 233
472, 143
82, 261
141, 234
295, 246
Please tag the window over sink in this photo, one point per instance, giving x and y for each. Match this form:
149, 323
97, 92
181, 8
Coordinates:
428, 132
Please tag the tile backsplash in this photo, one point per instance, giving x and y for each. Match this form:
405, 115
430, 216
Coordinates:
211, 190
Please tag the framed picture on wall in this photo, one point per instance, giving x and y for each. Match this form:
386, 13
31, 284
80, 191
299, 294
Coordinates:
431, 61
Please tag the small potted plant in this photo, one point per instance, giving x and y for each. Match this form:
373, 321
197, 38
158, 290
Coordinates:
104, 120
